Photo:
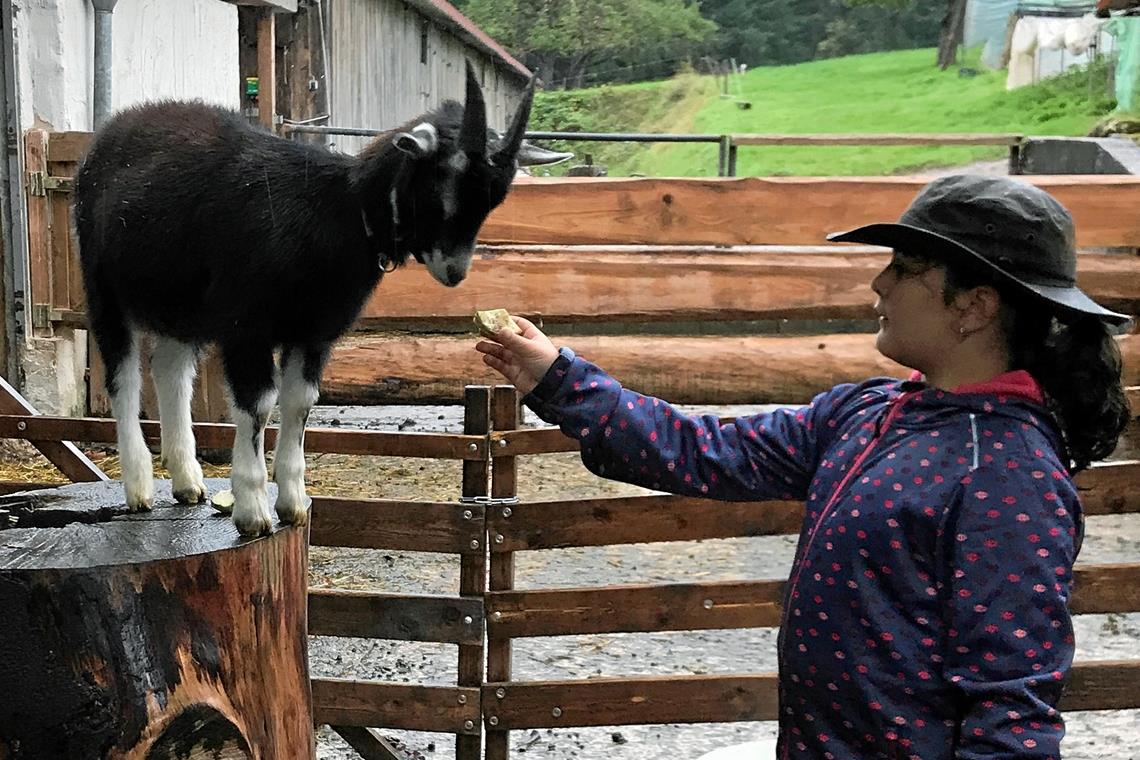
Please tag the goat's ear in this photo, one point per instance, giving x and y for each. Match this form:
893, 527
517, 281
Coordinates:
422, 140
509, 149
473, 133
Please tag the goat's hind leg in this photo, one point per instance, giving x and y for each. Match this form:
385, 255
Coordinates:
119, 348
250, 374
173, 365
300, 377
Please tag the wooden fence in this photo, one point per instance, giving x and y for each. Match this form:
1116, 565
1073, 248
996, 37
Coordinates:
488, 525
680, 255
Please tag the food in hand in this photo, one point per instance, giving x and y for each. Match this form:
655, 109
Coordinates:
493, 321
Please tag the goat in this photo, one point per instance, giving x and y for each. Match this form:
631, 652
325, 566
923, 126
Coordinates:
196, 228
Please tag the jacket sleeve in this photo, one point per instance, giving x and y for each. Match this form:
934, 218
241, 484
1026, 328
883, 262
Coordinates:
1008, 567
645, 441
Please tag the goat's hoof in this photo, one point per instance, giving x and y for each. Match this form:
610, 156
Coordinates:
140, 501
293, 514
251, 526
192, 493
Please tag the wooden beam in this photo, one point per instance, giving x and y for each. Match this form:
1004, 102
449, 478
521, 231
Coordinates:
1108, 488
603, 284
1098, 685
45, 429
632, 701
1098, 589
1102, 685
267, 69
399, 617
289, 6
368, 743
444, 527
634, 609
637, 519
67, 458
759, 211
879, 139
763, 370
444, 709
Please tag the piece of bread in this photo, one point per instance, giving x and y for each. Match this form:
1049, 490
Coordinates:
492, 321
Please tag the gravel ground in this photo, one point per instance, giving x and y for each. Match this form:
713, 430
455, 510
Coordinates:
1091, 735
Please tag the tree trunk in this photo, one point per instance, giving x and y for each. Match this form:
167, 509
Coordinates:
953, 25
149, 636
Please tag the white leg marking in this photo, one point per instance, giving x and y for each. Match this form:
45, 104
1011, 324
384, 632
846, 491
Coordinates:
249, 477
173, 366
297, 398
138, 470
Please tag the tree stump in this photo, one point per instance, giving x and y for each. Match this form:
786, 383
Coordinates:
149, 636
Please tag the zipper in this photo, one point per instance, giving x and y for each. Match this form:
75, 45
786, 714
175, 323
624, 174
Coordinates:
881, 428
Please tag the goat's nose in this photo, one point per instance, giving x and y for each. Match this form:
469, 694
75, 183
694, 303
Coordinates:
455, 275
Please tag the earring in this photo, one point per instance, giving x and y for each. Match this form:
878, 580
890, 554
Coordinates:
962, 331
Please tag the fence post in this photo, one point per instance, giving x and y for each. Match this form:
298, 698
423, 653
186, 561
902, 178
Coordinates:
504, 488
473, 567
722, 157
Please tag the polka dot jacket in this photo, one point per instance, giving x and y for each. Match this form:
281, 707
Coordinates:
926, 611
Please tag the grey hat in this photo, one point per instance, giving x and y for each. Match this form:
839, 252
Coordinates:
1014, 229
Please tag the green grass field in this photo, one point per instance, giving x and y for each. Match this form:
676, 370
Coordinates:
882, 92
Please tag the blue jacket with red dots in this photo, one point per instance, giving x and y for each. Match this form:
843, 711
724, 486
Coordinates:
926, 613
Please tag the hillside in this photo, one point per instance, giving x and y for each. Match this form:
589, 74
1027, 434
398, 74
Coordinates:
880, 92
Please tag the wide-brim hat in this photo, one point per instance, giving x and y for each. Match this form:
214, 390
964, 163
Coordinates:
1015, 230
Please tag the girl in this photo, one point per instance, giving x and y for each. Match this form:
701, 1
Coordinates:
926, 612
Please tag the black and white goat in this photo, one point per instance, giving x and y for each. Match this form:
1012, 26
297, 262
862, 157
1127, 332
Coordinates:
195, 228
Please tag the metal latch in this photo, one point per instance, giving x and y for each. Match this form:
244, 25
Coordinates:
40, 184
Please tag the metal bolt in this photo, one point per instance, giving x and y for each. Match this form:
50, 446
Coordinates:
498, 538
496, 615
467, 514
21, 426
472, 447
468, 724
462, 699
507, 512
475, 544
707, 604
493, 720
556, 712
468, 620
500, 692
502, 443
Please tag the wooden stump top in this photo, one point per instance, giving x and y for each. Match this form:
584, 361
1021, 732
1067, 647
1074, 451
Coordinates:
87, 525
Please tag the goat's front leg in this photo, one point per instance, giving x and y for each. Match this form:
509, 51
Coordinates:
300, 377
249, 371
173, 366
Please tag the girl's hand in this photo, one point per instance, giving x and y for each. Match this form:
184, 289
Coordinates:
522, 359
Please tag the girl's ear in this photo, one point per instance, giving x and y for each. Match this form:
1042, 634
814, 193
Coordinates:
977, 308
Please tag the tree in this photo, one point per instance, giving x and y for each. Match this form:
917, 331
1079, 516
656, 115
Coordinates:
950, 31
562, 40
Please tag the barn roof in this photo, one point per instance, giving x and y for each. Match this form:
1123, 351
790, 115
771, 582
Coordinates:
465, 29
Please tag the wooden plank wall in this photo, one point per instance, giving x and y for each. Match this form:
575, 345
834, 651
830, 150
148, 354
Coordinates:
378, 80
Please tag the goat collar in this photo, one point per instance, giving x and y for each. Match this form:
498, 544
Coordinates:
385, 262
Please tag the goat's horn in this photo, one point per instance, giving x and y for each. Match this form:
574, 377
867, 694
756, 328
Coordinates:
473, 134
514, 138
